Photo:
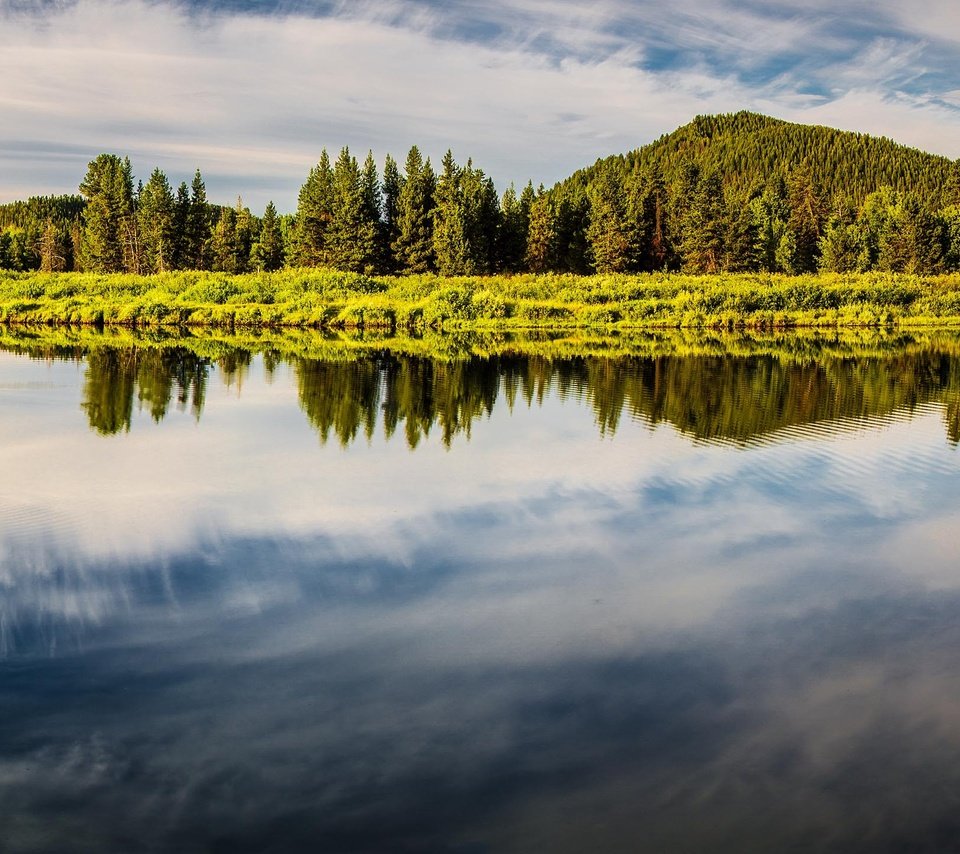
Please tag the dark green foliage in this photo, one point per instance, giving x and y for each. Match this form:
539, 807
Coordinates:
413, 247
244, 234
514, 228
351, 237
267, 253
612, 232
806, 221
314, 212
223, 243
748, 149
541, 254
197, 240
704, 228
734, 193
156, 213
181, 215
392, 184
110, 243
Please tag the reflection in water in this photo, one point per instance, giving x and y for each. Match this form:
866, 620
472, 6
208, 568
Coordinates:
114, 377
580, 631
734, 398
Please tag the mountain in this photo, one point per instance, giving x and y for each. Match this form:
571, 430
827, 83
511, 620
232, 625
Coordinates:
747, 149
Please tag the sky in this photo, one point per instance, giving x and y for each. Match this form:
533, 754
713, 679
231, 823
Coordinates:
251, 92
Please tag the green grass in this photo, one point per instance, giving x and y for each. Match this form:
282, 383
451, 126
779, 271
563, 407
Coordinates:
332, 300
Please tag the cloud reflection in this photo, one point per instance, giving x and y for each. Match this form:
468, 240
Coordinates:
223, 635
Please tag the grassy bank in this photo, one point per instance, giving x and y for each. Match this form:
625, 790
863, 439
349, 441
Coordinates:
334, 300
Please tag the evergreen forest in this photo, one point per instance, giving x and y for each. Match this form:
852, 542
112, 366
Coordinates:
738, 193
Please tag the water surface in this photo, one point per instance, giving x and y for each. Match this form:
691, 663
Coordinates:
669, 595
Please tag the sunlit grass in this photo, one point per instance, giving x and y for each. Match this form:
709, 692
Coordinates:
332, 300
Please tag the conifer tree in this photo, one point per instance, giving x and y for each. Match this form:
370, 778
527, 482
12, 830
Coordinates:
842, 244
483, 219
741, 241
705, 227
351, 234
807, 218
515, 216
198, 226
243, 236
392, 184
950, 223
612, 235
541, 253
372, 193
649, 214
223, 243
450, 246
267, 253
108, 216
413, 247
181, 216
53, 248
314, 213
770, 213
155, 217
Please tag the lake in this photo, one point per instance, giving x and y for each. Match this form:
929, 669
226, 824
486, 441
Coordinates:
667, 594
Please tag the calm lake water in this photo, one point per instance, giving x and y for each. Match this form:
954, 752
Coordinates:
705, 597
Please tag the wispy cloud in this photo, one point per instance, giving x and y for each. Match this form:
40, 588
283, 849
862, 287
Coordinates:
250, 92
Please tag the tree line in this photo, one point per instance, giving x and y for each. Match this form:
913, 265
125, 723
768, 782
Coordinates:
737, 193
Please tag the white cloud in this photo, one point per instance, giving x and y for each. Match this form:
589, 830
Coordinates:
251, 99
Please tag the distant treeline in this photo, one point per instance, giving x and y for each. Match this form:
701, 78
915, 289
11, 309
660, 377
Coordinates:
737, 193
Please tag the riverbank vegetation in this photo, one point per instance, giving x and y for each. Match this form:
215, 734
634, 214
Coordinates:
725, 194
332, 300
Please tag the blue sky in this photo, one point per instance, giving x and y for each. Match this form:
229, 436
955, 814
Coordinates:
250, 92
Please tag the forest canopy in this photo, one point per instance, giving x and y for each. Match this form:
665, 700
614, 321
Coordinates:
730, 193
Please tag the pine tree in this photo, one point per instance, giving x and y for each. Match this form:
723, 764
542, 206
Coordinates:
515, 215
483, 218
181, 216
314, 213
450, 247
351, 234
223, 243
649, 213
392, 185
378, 260
807, 218
243, 237
198, 227
52, 248
770, 213
267, 253
413, 247
842, 245
612, 235
541, 253
741, 241
705, 227
108, 216
155, 217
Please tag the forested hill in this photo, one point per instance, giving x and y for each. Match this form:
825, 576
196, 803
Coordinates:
747, 150
733, 193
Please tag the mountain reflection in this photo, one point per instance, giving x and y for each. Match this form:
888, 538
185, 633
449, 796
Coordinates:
738, 397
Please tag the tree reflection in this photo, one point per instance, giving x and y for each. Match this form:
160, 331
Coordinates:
737, 398
156, 377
